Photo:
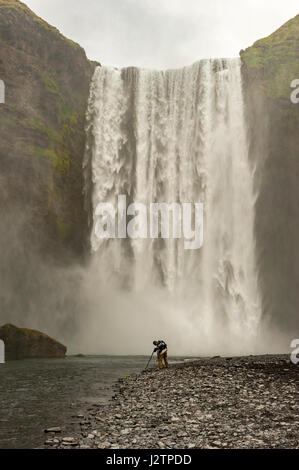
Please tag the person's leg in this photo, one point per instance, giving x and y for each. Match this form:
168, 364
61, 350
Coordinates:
160, 361
166, 359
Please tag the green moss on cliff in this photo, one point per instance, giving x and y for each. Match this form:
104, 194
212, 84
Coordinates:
13, 4
63, 229
19, 7
42, 123
54, 30
60, 160
6, 121
38, 125
27, 331
275, 60
50, 83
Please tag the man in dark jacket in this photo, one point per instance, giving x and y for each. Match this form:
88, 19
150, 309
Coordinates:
161, 348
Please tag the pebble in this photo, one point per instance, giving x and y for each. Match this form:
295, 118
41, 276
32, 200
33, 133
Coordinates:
68, 439
49, 443
245, 402
54, 429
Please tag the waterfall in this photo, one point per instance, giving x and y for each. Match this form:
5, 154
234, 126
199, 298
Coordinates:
178, 136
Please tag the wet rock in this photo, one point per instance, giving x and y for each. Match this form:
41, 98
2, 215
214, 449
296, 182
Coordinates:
104, 445
68, 440
161, 445
54, 430
49, 442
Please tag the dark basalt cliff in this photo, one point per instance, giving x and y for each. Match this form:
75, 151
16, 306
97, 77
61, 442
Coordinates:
42, 129
269, 67
21, 343
43, 228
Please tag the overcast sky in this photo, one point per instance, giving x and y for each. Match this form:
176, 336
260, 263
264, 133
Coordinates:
164, 33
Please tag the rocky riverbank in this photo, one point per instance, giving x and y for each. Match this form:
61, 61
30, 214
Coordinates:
247, 402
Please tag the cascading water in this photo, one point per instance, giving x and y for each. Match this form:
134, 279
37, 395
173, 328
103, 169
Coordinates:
177, 136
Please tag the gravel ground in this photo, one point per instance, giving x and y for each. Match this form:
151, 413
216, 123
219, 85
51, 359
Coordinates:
247, 402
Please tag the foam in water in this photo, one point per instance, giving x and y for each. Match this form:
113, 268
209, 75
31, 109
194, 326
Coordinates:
175, 136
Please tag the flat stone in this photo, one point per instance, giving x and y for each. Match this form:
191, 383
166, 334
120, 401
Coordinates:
49, 443
104, 445
54, 429
68, 439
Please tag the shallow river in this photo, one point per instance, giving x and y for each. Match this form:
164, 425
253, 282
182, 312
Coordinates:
40, 393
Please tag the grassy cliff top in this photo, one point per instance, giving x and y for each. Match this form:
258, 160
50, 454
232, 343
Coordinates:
17, 7
27, 331
276, 59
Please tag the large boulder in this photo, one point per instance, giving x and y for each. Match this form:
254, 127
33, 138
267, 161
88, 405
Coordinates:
21, 343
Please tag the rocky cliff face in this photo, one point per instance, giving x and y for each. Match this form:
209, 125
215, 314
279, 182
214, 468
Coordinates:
42, 128
21, 343
269, 67
42, 141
